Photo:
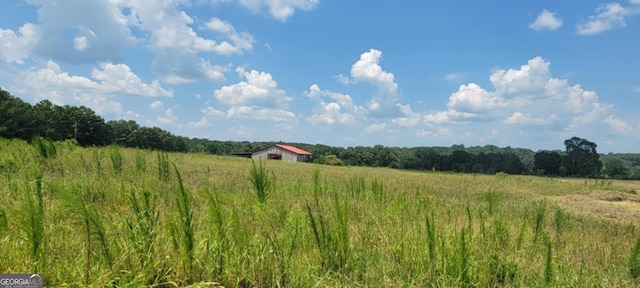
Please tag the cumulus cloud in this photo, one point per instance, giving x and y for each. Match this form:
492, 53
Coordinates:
259, 89
546, 21
409, 118
258, 97
108, 80
339, 110
247, 112
618, 126
97, 32
524, 97
15, 47
168, 117
212, 112
278, 9
609, 16
179, 67
204, 122
156, 104
368, 69
376, 128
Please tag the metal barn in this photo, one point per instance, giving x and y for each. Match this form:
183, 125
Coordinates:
281, 152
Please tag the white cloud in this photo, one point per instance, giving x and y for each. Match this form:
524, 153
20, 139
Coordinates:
97, 32
204, 122
259, 89
80, 43
212, 112
168, 117
618, 126
342, 79
523, 119
368, 69
246, 112
330, 114
278, 9
15, 47
179, 67
340, 110
546, 20
610, 16
109, 80
528, 96
376, 128
240, 41
156, 104
453, 76
473, 98
118, 78
409, 118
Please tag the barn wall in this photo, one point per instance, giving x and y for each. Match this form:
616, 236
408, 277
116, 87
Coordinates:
286, 155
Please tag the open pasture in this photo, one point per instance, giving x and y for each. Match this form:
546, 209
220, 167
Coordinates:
128, 218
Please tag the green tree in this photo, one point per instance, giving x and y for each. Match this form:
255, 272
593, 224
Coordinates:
121, 131
16, 117
616, 168
582, 159
548, 161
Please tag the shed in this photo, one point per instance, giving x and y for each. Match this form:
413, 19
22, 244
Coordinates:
281, 152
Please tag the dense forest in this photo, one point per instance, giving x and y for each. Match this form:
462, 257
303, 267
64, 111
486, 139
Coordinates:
21, 120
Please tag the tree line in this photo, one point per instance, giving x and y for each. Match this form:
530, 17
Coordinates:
21, 120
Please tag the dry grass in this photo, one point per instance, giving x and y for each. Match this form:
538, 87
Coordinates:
605, 204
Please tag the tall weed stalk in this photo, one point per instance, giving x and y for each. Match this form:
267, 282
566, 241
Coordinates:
116, 159
163, 165
91, 219
259, 178
32, 222
185, 227
634, 262
332, 239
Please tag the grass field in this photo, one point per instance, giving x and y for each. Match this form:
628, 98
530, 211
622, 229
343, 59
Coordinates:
128, 218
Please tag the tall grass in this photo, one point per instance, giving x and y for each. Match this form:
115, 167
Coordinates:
184, 229
163, 165
331, 235
346, 227
259, 179
32, 223
634, 262
116, 159
77, 202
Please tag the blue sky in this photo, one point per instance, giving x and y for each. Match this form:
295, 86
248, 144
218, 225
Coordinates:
343, 73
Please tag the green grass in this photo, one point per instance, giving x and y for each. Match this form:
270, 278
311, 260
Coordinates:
121, 217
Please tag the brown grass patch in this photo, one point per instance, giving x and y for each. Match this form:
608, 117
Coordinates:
606, 204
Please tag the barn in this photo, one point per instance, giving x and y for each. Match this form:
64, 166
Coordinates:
281, 152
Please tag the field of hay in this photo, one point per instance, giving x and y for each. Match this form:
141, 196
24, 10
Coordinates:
130, 218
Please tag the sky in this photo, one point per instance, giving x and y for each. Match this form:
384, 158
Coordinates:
526, 74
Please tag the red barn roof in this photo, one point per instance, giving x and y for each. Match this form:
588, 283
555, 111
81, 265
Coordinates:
293, 149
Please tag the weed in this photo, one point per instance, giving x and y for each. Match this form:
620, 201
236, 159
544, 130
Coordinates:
32, 222
539, 215
116, 159
634, 261
259, 178
163, 165
548, 263
332, 240
185, 225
